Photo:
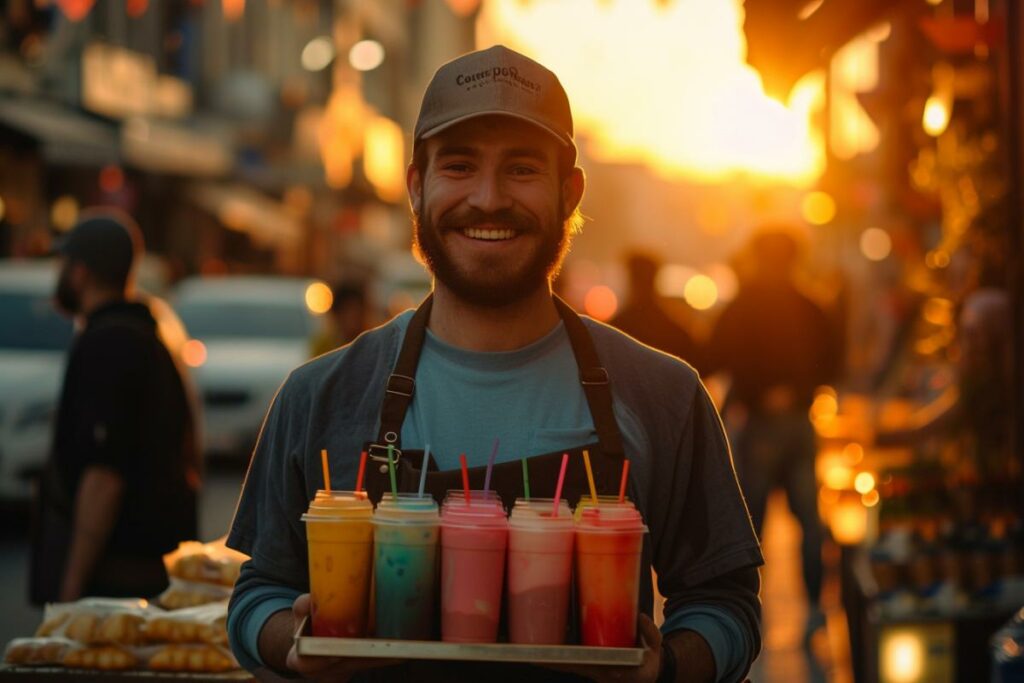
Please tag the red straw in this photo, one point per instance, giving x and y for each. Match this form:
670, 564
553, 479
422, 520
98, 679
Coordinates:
625, 478
561, 480
465, 476
362, 471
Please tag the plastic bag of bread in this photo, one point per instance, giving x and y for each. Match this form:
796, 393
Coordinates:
192, 658
96, 621
205, 563
181, 594
204, 624
101, 657
38, 651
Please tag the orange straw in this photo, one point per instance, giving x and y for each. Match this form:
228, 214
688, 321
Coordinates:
362, 471
590, 477
625, 478
561, 480
465, 476
327, 471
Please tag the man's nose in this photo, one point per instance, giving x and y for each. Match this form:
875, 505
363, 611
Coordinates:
489, 193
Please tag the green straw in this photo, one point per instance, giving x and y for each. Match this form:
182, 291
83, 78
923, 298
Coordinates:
391, 470
526, 480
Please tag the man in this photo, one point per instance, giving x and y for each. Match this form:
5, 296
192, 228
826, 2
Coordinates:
349, 315
773, 382
645, 319
495, 192
120, 487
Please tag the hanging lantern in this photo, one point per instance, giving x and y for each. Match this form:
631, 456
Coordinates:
76, 10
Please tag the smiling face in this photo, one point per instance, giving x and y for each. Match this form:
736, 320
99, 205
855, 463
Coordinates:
490, 209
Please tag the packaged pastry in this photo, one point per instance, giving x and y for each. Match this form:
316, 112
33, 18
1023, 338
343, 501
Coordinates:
205, 563
204, 624
192, 658
102, 657
96, 621
181, 594
38, 651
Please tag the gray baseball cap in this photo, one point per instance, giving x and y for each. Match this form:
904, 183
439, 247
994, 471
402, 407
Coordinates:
495, 81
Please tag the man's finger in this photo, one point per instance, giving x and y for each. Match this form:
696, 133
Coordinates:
650, 635
300, 607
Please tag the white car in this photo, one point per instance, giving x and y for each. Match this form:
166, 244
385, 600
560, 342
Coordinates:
34, 340
248, 333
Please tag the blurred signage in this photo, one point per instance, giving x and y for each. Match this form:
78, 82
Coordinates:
118, 83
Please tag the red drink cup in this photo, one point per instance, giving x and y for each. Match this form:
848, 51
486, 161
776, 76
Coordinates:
608, 544
474, 538
539, 572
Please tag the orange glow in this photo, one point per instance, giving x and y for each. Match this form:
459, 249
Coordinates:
383, 158
838, 477
665, 84
824, 407
136, 8
864, 482
853, 453
194, 353
849, 522
341, 134
75, 10
875, 244
111, 179
64, 212
319, 298
854, 69
233, 9
701, 292
818, 208
600, 303
871, 498
938, 311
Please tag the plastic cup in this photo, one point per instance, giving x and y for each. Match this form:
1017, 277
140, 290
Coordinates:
608, 544
474, 539
339, 534
611, 502
406, 531
539, 572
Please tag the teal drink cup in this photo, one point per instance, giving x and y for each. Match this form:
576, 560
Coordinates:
405, 567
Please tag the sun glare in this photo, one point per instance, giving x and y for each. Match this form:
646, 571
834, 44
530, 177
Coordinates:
666, 84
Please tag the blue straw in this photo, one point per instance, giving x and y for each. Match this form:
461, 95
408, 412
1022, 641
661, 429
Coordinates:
423, 474
490, 466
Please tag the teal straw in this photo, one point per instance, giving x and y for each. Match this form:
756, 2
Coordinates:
391, 470
526, 480
423, 474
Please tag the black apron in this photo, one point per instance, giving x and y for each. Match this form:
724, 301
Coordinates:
606, 458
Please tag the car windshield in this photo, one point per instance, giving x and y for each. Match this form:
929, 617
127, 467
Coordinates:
237, 319
29, 321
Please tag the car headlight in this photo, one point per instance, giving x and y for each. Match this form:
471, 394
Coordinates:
35, 415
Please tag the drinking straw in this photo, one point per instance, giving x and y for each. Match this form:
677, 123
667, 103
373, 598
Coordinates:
490, 466
590, 477
391, 470
423, 474
362, 471
625, 478
526, 480
465, 476
327, 470
561, 480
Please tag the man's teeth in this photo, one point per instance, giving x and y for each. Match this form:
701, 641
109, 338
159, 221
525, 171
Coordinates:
479, 234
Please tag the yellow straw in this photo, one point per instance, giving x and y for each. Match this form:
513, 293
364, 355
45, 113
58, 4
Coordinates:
590, 477
327, 472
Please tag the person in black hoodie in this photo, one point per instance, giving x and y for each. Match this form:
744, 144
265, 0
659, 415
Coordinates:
121, 484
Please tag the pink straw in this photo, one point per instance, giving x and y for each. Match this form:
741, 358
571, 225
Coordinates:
465, 475
561, 480
625, 479
362, 471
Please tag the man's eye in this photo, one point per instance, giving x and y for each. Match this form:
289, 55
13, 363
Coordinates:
456, 167
523, 170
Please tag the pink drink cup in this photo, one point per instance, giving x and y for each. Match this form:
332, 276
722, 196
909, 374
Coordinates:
474, 539
539, 572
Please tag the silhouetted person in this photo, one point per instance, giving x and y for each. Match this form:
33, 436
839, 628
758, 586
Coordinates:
777, 345
348, 317
121, 484
644, 318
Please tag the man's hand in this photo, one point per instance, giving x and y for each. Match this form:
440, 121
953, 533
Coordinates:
647, 672
335, 669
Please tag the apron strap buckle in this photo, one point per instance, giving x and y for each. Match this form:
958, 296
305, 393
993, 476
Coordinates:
593, 376
380, 453
401, 385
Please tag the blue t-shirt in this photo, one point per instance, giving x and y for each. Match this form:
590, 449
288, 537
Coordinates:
529, 399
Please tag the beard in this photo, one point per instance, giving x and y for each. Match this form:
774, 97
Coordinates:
499, 283
68, 299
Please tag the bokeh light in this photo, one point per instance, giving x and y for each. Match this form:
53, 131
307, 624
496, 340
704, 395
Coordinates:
864, 482
701, 292
193, 353
600, 302
875, 244
902, 657
319, 298
64, 212
111, 179
818, 208
366, 55
317, 54
672, 278
936, 116
871, 498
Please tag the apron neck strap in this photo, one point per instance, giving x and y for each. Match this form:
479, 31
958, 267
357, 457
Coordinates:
593, 377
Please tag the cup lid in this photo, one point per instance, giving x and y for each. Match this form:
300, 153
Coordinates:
610, 518
339, 504
537, 513
407, 508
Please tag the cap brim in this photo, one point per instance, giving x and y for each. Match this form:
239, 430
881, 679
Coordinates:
568, 142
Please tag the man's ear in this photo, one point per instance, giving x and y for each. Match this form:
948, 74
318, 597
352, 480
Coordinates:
414, 186
572, 191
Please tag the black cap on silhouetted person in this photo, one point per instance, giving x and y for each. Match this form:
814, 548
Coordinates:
107, 242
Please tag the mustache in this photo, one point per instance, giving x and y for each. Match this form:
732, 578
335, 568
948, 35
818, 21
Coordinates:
504, 218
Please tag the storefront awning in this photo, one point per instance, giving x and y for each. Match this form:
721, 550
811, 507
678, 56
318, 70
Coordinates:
65, 136
246, 210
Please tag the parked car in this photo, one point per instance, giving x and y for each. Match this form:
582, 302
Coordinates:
34, 339
248, 333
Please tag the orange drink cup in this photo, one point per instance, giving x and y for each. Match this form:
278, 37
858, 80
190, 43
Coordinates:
609, 539
339, 534
539, 572
474, 539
